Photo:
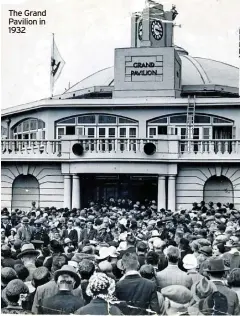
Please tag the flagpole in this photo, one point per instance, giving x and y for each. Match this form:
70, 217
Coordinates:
51, 76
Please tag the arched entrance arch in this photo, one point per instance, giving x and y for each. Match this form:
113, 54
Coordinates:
218, 189
25, 190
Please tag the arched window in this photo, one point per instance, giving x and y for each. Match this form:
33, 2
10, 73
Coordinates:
29, 129
98, 126
205, 126
218, 189
25, 190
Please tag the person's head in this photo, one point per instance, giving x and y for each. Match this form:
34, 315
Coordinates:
17, 245
131, 240
130, 261
100, 284
184, 244
173, 254
5, 251
15, 290
234, 278
66, 278
56, 247
86, 269
69, 224
147, 271
178, 237
106, 222
58, 261
141, 247
40, 276
89, 224
22, 271
216, 269
218, 249
13, 232
7, 275
25, 221
152, 258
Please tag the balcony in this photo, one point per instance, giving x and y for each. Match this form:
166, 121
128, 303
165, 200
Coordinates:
118, 149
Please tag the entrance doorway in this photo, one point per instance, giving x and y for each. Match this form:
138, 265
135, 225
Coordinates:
25, 190
218, 189
103, 187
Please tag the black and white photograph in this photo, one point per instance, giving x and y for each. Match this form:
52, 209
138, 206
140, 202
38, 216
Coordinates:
120, 157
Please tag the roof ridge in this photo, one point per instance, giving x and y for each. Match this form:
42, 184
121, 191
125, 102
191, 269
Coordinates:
86, 78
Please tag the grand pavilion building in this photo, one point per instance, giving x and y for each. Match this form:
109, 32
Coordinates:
160, 124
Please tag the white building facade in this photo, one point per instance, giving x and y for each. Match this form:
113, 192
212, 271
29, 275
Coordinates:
90, 142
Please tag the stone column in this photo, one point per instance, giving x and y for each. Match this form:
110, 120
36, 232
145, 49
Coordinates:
172, 193
76, 199
67, 191
161, 192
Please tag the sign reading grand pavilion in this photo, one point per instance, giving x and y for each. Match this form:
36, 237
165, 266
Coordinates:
143, 68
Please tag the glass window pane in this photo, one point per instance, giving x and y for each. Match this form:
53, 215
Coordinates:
80, 131
132, 132
71, 120
26, 126
19, 128
162, 120
123, 120
107, 119
201, 119
33, 125
123, 132
61, 131
43, 134
219, 120
112, 132
33, 136
178, 119
41, 124
152, 131
102, 132
70, 130
25, 136
91, 132
87, 119
162, 130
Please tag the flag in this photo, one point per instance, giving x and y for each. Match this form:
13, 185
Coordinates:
57, 64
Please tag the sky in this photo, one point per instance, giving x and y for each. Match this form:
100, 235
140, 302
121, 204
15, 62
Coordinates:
88, 31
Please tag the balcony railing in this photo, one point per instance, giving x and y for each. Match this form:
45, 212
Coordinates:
201, 147
118, 148
10, 147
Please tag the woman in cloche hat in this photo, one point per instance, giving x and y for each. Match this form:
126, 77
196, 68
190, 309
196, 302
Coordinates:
101, 289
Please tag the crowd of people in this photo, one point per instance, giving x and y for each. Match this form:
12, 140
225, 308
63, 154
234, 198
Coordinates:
120, 258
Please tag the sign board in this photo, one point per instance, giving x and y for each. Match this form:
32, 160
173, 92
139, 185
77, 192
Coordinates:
144, 68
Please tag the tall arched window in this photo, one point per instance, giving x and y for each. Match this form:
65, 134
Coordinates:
25, 190
98, 126
31, 128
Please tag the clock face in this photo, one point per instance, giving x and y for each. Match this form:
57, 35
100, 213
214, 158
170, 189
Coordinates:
140, 30
157, 30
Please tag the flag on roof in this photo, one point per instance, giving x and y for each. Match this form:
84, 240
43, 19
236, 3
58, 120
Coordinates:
57, 64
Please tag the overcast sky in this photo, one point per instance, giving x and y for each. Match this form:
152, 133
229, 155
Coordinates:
87, 31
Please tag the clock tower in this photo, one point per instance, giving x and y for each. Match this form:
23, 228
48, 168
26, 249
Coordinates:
152, 66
